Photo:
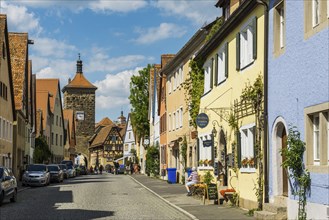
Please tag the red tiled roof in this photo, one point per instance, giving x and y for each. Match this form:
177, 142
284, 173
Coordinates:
104, 122
43, 105
101, 136
51, 86
79, 81
18, 55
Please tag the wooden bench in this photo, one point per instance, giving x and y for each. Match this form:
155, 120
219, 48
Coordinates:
198, 190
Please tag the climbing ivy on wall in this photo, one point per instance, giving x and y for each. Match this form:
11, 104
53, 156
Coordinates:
294, 162
193, 87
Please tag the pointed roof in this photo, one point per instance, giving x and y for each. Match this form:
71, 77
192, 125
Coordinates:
18, 54
79, 81
43, 105
5, 38
104, 122
51, 86
101, 136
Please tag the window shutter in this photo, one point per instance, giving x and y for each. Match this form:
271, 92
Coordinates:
216, 69
212, 73
226, 59
255, 148
254, 37
238, 51
238, 147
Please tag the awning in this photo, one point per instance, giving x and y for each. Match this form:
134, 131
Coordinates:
121, 158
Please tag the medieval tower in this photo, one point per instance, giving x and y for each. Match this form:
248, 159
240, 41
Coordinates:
79, 96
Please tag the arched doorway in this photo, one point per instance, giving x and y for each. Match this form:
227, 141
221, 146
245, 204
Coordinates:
279, 142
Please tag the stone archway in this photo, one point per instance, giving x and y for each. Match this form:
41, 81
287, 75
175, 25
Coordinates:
279, 141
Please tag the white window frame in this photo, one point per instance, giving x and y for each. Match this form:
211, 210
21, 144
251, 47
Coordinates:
221, 65
316, 139
175, 81
282, 24
181, 117
3, 129
169, 122
169, 85
207, 74
177, 118
173, 121
247, 141
246, 45
315, 12
182, 74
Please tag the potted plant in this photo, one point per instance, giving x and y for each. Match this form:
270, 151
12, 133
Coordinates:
244, 162
200, 162
251, 162
206, 162
210, 163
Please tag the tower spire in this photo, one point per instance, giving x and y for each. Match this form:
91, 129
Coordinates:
79, 65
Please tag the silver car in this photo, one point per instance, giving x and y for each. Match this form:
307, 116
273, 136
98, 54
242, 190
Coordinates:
8, 185
36, 175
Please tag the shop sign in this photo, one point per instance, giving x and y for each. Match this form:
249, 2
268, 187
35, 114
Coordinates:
202, 120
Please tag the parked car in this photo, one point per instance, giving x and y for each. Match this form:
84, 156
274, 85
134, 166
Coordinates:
71, 171
8, 185
83, 170
36, 174
56, 174
67, 162
65, 170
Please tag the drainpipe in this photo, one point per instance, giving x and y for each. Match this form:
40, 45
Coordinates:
265, 113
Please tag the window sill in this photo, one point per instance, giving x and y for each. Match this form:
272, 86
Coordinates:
247, 170
247, 65
221, 82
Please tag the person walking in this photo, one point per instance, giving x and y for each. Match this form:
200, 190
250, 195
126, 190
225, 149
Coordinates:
101, 169
192, 179
131, 168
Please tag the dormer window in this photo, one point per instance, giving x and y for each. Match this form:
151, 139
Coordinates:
226, 11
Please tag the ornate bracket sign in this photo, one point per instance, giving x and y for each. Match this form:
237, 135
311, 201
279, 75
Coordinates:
202, 120
207, 143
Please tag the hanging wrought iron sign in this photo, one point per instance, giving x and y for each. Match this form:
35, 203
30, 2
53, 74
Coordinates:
202, 120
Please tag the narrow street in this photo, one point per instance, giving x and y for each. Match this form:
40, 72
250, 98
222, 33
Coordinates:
90, 197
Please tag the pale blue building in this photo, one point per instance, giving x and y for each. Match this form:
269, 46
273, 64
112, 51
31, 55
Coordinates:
298, 95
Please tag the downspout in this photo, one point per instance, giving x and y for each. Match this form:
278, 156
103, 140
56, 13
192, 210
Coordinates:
265, 113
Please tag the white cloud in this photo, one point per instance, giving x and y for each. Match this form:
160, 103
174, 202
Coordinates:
100, 61
199, 12
114, 90
116, 6
164, 31
52, 47
20, 19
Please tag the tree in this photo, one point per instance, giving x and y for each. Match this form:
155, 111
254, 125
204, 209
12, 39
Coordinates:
152, 161
41, 152
139, 100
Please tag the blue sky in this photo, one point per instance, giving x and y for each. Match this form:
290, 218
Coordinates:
116, 38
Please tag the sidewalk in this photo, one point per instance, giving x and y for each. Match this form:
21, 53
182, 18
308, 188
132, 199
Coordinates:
175, 194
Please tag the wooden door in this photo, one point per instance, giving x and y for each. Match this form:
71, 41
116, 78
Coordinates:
284, 171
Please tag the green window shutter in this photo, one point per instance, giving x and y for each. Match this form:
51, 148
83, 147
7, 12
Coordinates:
212, 74
238, 148
238, 51
226, 59
216, 69
255, 149
254, 37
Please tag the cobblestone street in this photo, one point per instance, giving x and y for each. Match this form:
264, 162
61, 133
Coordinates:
90, 197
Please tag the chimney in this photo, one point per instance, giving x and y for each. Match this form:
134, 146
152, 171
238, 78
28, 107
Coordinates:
165, 58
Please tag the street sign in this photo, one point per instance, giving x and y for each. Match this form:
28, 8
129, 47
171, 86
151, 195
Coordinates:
207, 143
202, 120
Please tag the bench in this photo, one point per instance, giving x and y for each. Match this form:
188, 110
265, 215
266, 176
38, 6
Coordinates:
198, 190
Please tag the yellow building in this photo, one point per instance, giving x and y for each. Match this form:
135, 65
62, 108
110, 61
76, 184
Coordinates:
179, 129
232, 57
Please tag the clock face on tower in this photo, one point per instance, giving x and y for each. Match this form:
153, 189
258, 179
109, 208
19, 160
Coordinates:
80, 115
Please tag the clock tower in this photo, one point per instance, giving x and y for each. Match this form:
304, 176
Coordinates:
79, 96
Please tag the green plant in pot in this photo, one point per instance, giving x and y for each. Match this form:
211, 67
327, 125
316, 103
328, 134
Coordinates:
207, 178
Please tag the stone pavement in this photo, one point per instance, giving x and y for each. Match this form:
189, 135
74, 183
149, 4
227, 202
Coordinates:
175, 195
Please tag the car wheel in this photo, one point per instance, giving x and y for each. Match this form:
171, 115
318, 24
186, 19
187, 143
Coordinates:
14, 198
2, 196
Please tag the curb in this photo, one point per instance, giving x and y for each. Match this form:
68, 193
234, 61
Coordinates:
166, 201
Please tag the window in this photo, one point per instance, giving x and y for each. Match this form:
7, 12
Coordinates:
60, 121
56, 119
129, 135
315, 12
226, 10
52, 138
246, 44
279, 28
317, 137
207, 77
181, 117
60, 140
1, 128
181, 74
169, 85
247, 141
173, 121
177, 119
222, 64
56, 139
316, 144
169, 122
